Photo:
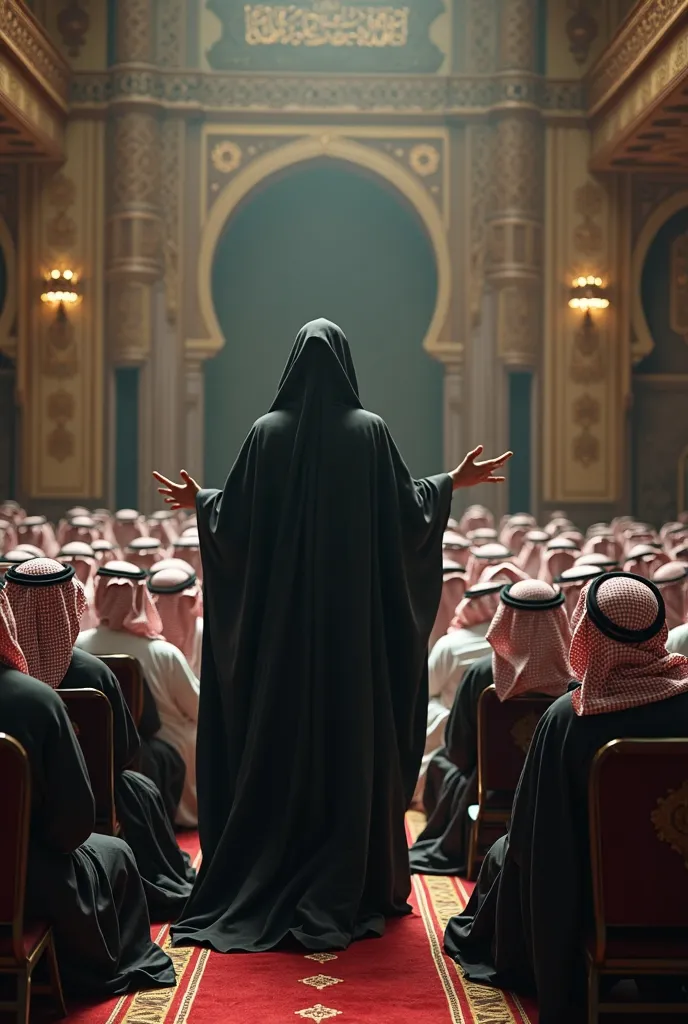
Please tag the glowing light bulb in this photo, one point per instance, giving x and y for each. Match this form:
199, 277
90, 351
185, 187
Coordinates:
68, 275
55, 274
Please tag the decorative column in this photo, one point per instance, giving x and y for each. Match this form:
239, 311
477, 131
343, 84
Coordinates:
514, 247
514, 229
135, 224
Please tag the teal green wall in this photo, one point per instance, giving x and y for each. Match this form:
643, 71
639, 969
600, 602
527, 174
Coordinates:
325, 241
127, 437
520, 419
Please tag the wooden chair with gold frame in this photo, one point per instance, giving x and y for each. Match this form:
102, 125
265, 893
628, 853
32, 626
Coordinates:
638, 809
129, 674
91, 717
22, 946
505, 729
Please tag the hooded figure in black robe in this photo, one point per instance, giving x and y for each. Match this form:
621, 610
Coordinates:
314, 682
322, 570
525, 924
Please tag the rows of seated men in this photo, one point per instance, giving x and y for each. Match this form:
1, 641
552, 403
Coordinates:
109, 585
582, 637
141, 580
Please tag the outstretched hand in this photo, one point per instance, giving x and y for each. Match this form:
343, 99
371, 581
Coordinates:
181, 495
470, 473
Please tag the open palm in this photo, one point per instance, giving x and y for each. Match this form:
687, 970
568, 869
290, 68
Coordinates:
181, 495
471, 473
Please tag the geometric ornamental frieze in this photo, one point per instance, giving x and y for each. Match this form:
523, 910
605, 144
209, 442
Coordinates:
369, 94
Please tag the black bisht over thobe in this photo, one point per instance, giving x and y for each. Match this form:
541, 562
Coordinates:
322, 574
86, 886
525, 924
166, 872
452, 782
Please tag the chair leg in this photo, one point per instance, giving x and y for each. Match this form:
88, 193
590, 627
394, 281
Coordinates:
472, 843
55, 981
593, 995
23, 998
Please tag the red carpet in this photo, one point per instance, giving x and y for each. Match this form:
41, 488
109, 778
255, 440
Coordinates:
401, 978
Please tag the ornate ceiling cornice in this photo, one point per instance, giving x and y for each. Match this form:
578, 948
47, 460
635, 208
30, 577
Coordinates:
34, 87
23, 39
638, 40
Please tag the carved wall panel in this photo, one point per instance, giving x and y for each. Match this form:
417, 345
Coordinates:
586, 377
61, 373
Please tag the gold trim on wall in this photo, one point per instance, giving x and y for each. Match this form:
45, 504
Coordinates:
681, 502
642, 342
8, 341
317, 142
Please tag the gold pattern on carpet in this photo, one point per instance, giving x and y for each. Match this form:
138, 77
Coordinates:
153, 1005
321, 981
457, 1016
321, 958
487, 1005
192, 988
318, 1013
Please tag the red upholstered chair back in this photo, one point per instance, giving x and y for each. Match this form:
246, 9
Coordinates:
15, 817
505, 730
638, 805
129, 675
91, 715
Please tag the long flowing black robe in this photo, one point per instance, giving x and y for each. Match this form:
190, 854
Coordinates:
525, 923
314, 682
87, 886
157, 759
452, 782
165, 871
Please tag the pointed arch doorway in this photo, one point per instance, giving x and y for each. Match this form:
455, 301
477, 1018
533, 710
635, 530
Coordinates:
323, 238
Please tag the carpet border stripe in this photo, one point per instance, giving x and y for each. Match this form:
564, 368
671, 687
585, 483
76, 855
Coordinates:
437, 955
192, 988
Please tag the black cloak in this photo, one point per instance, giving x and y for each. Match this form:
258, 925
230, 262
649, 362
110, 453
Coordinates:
86, 886
525, 924
322, 568
442, 847
165, 871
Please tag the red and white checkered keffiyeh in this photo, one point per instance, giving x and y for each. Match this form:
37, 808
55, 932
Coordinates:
475, 518
480, 558
476, 609
530, 557
8, 536
48, 619
513, 533
188, 549
672, 580
455, 547
603, 544
616, 675
127, 525
572, 582
644, 560
179, 610
504, 572
530, 647
558, 556
163, 526
145, 552
10, 652
125, 604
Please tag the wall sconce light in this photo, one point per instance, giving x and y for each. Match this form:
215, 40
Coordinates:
588, 293
60, 289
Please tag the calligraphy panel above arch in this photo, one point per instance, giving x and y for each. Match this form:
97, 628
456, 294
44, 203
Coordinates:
360, 36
